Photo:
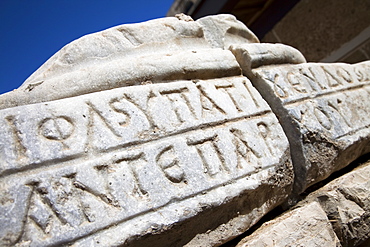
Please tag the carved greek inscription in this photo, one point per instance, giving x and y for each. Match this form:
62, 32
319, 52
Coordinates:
362, 72
69, 200
57, 129
278, 86
124, 171
335, 106
134, 163
130, 168
98, 123
169, 164
255, 101
142, 109
322, 117
64, 200
129, 115
168, 109
228, 88
312, 79
104, 171
238, 94
344, 74
106, 198
115, 105
331, 78
209, 106
40, 210
361, 76
302, 80
70, 195
210, 155
20, 149
244, 150
93, 113
117, 186
295, 81
180, 103
328, 114
264, 131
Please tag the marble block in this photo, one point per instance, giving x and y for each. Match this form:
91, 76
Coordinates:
156, 164
323, 108
142, 134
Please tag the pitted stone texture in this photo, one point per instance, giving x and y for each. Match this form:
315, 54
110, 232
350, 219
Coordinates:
154, 165
305, 226
344, 202
162, 49
324, 110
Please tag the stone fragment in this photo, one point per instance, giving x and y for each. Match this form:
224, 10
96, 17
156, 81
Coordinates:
153, 51
160, 164
336, 215
346, 202
257, 55
323, 108
304, 226
224, 30
184, 17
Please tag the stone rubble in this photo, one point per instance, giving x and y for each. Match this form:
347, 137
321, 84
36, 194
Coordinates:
305, 226
337, 214
176, 132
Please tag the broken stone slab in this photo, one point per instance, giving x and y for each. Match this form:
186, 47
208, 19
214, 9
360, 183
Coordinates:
323, 108
305, 226
336, 215
256, 55
153, 51
346, 202
162, 164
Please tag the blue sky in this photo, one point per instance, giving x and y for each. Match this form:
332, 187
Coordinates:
31, 31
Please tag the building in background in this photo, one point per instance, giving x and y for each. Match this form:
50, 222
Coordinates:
326, 31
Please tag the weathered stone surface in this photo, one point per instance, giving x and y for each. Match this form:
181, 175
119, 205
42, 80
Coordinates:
256, 55
140, 134
336, 215
323, 108
156, 163
305, 226
149, 135
346, 202
157, 50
